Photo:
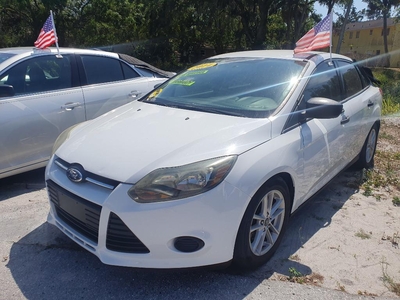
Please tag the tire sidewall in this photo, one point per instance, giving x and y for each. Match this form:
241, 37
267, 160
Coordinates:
243, 255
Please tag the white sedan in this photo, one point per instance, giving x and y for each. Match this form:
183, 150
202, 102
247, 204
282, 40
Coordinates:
208, 168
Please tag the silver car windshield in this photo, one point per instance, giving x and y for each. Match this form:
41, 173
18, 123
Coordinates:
247, 87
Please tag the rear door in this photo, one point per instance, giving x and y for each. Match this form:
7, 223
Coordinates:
357, 109
47, 100
110, 83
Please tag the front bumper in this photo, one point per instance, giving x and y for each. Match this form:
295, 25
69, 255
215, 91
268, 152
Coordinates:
122, 232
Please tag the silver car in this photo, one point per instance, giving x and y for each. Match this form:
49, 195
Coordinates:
43, 92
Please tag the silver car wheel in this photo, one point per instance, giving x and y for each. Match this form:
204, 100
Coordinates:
371, 144
267, 222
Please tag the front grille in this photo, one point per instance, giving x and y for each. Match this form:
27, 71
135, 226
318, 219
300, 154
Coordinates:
88, 176
78, 213
121, 239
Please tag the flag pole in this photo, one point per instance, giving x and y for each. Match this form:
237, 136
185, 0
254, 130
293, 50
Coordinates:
330, 43
55, 33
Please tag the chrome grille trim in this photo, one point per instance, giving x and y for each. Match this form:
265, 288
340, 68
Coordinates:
64, 165
102, 184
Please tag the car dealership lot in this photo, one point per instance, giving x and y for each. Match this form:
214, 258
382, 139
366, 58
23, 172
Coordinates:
39, 262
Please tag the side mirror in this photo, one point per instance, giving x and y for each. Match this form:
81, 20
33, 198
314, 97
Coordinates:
322, 108
6, 91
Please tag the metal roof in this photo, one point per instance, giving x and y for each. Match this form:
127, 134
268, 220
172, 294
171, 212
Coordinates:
370, 24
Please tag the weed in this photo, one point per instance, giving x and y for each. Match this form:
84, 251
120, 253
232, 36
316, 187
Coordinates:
365, 293
341, 287
395, 239
363, 235
294, 273
388, 281
389, 105
367, 191
386, 136
294, 257
396, 201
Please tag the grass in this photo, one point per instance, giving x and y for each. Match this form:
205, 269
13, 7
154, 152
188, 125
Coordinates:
363, 235
390, 85
396, 201
388, 280
298, 277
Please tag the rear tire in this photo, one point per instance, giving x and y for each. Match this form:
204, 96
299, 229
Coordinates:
263, 225
367, 154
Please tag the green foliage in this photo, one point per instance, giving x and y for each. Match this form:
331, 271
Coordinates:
294, 273
390, 85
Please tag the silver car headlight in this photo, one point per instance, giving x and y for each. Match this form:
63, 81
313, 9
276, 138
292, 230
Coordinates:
174, 183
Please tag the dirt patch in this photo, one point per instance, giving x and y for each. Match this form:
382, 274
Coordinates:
348, 237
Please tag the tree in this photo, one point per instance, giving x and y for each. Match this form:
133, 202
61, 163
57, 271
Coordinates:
382, 9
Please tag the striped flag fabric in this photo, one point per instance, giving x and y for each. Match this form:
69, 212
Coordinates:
47, 35
318, 37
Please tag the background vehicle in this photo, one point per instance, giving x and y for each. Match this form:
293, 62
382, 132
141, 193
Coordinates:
41, 94
246, 139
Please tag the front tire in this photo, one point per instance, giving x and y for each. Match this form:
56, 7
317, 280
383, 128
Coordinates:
367, 154
263, 225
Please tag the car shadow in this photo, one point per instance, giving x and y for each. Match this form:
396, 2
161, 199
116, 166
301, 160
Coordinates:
47, 264
21, 184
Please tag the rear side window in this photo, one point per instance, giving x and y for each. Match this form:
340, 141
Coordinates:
128, 71
351, 78
99, 69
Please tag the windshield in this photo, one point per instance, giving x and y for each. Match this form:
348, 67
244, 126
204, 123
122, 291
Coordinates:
5, 56
246, 87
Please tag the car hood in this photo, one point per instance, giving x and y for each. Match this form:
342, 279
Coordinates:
133, 140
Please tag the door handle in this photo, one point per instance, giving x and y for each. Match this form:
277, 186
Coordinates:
370, 103
71, 105
135, 94
345, 120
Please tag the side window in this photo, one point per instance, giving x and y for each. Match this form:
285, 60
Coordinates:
100, 69
351, 78
324, 82
129, 73
40, 74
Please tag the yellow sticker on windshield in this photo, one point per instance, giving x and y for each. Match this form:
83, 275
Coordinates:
190, 73
155, 93
183, 82
202, 66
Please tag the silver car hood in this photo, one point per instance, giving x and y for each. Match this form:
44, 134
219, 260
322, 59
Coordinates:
135, 139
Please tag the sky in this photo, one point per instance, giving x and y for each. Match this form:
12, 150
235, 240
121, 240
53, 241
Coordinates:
359, 4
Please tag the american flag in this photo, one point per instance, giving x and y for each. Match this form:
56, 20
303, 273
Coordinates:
318, 37
46, 36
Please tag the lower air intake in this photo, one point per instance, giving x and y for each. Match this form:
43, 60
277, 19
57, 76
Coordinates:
121, 239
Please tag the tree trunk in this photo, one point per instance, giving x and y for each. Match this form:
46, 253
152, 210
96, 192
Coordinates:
386, 57
349, 4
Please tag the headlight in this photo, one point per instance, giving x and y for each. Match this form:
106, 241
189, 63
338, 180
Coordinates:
181, 182
62, 138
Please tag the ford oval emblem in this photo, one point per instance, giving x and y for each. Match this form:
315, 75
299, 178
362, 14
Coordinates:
74, 175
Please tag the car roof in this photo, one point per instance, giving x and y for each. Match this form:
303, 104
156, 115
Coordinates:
22, 52
282, 54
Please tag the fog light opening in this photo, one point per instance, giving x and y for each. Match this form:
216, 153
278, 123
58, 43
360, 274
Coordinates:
188, 244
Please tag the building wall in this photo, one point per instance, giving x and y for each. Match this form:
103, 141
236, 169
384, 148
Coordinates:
364, 41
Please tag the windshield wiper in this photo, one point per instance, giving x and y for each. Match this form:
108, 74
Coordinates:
197, 108
212, 110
